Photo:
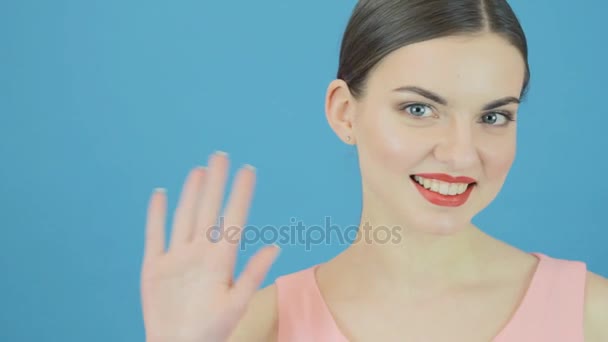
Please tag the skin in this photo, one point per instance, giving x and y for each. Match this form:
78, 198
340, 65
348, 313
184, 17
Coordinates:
441, 261
439, 244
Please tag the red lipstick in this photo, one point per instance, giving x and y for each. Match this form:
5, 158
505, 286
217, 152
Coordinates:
445, 200
447, 178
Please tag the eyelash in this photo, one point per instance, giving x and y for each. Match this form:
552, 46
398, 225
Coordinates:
507, 115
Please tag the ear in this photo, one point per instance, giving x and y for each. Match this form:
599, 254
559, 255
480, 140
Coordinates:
340, 109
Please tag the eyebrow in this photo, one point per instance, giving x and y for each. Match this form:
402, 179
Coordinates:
442, 101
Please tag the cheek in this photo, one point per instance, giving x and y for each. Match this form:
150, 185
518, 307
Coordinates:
498, 158
390, 145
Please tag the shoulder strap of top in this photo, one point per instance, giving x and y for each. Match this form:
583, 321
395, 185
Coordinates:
553, 307
302, 312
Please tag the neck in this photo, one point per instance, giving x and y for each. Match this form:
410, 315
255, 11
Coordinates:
414, 256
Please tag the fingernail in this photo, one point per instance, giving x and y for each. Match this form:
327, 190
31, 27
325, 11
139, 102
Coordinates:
221, 153
250, 167
276, 246
163, 190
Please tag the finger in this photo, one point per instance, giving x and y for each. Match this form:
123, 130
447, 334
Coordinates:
155, 224
235, 217
213, 194
183, 222
254, 273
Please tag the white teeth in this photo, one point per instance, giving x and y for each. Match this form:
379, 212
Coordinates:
461, 188
427, 183
443, 188
453, 189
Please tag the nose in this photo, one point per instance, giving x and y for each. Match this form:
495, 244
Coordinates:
456, 147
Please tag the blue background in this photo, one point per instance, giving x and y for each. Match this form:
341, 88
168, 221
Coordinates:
101, 101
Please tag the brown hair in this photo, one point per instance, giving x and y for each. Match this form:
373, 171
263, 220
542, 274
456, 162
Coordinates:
378, 27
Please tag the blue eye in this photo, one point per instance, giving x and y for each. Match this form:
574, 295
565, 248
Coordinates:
417, 109
497, 118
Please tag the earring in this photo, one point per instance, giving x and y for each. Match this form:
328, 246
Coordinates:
348, 138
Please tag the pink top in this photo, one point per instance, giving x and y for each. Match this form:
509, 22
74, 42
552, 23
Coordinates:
552, 308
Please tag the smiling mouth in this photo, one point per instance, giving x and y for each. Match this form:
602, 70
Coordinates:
441, 187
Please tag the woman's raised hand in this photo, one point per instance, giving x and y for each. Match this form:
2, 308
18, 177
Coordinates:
187, 291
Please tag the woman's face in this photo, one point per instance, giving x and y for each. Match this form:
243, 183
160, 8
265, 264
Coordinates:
434, 111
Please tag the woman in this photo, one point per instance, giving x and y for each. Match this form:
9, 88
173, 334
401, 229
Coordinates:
428, 91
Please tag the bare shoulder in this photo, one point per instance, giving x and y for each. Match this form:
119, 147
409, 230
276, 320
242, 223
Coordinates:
260, 321
596, 308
